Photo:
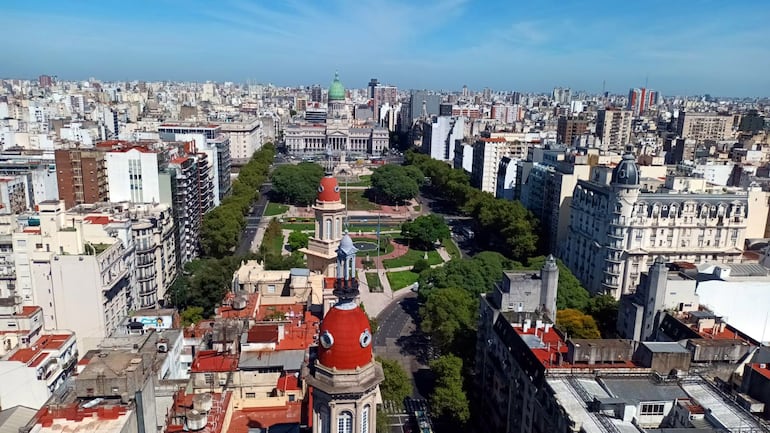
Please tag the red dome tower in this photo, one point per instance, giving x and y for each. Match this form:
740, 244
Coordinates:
329, 217
345, 378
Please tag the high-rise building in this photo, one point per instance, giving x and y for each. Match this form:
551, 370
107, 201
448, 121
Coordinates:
316, 94
569, 127
373, 83
562, 96
613, 127
45, 81
132, 173
81, 176
704, 126
245, 139
639, 100
440, 134
487, 153
423, 99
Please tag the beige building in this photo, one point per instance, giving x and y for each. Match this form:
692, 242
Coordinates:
705, 126
245, 139
616, 230
79, 269
614, 128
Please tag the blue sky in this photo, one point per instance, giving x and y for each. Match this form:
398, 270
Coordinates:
683, 47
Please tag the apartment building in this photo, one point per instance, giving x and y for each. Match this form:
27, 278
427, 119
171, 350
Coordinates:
704, 126
570, 127
616, 230
245, 139
613, 127
81, 176
72, 263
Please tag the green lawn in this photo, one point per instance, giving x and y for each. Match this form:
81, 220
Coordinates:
298, 226
274, 244
357, 200
365, 180
412, 256
276, 209
399, 280
373, 280
451, 248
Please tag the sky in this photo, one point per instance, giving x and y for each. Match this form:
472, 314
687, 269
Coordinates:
678, 47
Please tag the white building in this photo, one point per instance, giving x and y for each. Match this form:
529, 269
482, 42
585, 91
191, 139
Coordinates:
616, 230
440, 134
132, 175
79, 269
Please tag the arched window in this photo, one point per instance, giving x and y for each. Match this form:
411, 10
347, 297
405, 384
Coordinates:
365, 419
328, 230
345, 422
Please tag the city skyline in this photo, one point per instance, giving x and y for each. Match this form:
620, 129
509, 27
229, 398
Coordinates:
677, 48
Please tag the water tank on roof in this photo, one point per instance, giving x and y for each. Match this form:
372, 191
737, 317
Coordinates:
239, 303
202, 402
195, 420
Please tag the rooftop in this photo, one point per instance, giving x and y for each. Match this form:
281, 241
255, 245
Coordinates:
247, 419
210, 361
216, 418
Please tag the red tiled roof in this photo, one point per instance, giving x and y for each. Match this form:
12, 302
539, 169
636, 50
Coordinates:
35, 230
179, 160
556, 347
288, 382
27, 311
250, 312
263, 417
210, 361
35, 355
97, 219
74, 412
493, 140
217, 416
263, 334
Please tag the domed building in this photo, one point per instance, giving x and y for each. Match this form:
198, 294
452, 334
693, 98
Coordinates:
344, 376
617, 230
321, 251
338, 132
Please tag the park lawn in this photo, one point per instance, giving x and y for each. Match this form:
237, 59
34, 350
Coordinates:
410, 257
298, 226
274, 244
357, 201
365, 180
451, 248
274, 209
399, 280
373, 281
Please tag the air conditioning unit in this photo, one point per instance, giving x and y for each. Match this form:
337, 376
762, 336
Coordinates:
222, 382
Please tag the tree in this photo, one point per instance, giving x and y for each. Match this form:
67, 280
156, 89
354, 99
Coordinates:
449, 399
298, 239
604, 310
397, 386
576, 324
448, 316
420, 265
476, 276
425, 230
191, 315
297, 184
394, 183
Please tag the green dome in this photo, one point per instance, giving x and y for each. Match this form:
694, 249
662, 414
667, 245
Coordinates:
336, 91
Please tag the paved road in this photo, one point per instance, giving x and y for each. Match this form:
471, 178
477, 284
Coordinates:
253, 220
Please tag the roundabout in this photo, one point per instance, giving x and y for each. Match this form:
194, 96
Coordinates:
365, 246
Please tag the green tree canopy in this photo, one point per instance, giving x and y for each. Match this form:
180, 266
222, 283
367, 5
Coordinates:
191, 315
397, 385
604, 309
448, 316
297, 184
476, 276
425, 230
395, 183
222, 226
203, 283
449, 399
298, 239
576, 324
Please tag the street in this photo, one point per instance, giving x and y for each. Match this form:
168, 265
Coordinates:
252, 221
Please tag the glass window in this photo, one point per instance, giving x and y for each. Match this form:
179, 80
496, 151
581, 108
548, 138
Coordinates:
345, 422
365, 419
